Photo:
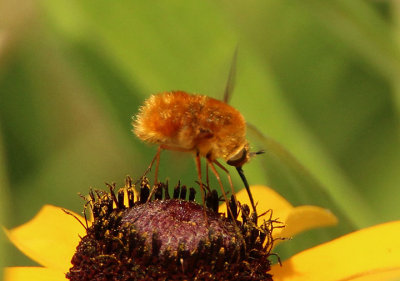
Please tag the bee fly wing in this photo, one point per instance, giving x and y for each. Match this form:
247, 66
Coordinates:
279, 151
309, 185
230, 83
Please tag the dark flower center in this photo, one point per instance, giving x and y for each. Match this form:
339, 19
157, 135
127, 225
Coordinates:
179, 222
170, 239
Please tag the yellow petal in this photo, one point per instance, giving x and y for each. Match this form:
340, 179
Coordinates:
296, 219
33, 274
386, 274
303, 218
50, 238
266, 199
361, 254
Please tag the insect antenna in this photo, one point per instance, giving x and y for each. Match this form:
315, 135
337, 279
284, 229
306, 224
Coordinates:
246, 184
251, 154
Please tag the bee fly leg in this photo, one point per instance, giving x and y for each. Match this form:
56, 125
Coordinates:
198, 166
210, 163
156, 157
229, 179
207, 179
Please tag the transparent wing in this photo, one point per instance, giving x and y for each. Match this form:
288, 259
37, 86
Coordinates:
292, 179
230, 83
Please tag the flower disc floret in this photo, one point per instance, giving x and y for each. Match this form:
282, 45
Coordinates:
169, 239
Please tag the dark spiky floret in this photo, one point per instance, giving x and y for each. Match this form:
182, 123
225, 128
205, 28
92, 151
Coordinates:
170, 238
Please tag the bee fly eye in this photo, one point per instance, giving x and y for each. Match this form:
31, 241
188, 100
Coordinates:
238, 159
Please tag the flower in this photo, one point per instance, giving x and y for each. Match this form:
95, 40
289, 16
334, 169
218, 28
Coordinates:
169, 238
51, 237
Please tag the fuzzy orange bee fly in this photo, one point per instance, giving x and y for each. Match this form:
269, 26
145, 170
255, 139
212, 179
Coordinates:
197, 124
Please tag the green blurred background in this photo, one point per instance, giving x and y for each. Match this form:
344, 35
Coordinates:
319, 77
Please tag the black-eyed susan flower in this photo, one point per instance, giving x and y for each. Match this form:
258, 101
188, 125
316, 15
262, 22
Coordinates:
231, 251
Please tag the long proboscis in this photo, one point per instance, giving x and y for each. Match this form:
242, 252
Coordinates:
246, 184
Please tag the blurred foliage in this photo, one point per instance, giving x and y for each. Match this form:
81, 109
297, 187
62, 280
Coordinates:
318, 79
